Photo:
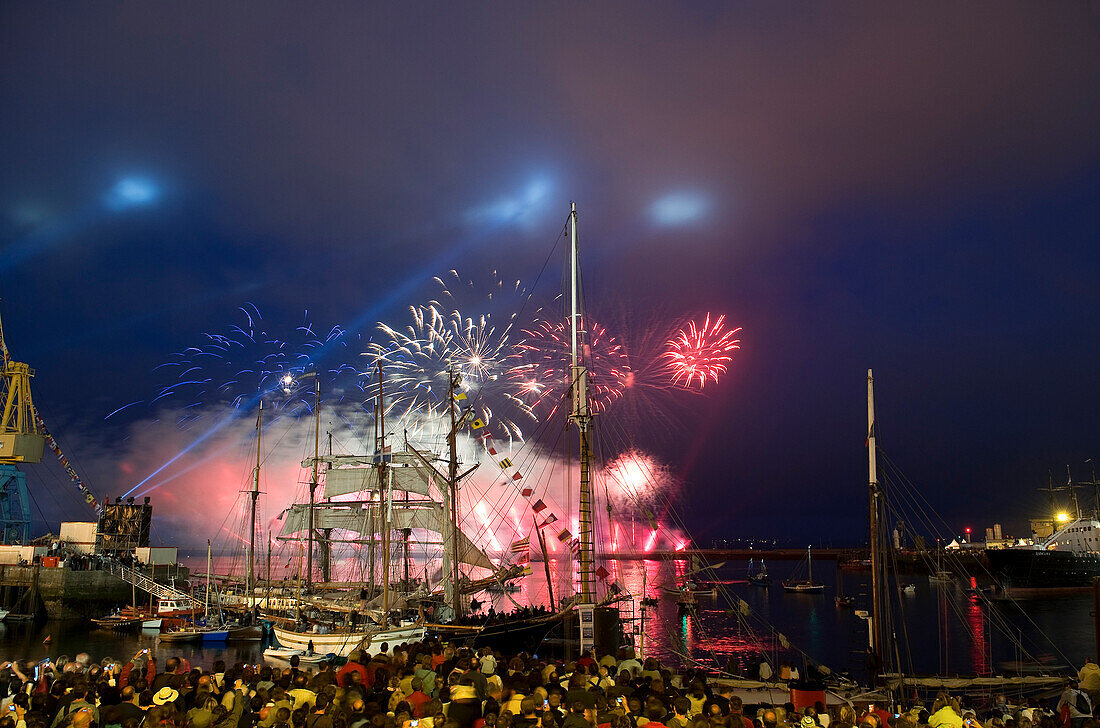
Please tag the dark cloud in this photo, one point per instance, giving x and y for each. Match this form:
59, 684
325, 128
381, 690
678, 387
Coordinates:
912, 188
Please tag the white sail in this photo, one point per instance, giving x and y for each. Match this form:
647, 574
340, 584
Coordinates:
357, 518
342, 481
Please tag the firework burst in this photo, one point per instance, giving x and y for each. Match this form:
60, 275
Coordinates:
542, 359
417, 359
699, 353
637, 481
246, 361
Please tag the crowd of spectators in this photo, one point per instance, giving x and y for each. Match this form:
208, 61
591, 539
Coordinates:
436, 685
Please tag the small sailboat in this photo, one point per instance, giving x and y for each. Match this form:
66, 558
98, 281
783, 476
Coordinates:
807, 585
940, 575
758, 574
842, 599
211, 632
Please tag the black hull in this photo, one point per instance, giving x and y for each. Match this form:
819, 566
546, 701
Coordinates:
1026, 570
509, 637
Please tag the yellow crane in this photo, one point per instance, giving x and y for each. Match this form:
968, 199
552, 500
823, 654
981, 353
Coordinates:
21, 441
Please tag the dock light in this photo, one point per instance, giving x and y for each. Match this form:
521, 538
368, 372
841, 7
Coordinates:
1062, 517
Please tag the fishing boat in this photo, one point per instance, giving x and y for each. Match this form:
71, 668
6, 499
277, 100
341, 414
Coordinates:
177, 609
244, 633
807, 585
118, 622
181, 635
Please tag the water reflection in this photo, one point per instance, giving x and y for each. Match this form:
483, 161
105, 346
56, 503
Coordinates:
717, 631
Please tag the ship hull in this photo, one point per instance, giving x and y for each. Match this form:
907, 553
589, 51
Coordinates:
1030, 572
343, 644
512, 636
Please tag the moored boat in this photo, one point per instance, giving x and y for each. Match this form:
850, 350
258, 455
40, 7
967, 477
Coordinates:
181, 635
758, 575
117, 622
342, 643
246, 634
807, 585
305, 658
1064, 563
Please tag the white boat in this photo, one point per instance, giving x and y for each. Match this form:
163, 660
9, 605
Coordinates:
4, 613
152, 624
305, 658
343, 643
808, 585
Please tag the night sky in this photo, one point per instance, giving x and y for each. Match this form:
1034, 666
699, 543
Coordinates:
910, 189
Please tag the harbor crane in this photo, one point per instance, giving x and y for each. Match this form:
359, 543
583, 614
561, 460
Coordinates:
21, 441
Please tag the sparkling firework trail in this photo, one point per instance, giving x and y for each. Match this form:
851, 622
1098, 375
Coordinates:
542, 360
246, 361
416, 359
700, 353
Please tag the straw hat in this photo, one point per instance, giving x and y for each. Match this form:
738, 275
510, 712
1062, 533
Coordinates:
165, 695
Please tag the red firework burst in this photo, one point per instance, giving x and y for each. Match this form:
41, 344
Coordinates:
541, 365
700, 353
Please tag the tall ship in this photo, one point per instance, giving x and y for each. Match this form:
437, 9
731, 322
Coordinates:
400, 508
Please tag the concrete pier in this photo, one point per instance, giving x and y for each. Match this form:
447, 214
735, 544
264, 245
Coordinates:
67, 594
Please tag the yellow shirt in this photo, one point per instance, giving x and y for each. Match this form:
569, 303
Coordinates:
1090, 677
945, 718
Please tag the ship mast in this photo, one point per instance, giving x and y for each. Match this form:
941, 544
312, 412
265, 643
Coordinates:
381, 445
313, 479
254, 494
877, 613
452, 487
581, 415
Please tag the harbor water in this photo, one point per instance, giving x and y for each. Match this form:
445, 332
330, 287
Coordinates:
946, 628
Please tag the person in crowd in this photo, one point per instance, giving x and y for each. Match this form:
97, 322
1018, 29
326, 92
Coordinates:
408, 687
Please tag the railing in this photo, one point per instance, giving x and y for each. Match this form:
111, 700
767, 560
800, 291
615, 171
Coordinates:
145, 583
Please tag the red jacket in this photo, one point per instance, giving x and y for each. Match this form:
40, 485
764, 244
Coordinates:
124, 674
349, 668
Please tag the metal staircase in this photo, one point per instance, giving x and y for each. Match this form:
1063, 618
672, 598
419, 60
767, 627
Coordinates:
146, 584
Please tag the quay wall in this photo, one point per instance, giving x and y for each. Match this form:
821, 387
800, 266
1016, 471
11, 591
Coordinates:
68, 594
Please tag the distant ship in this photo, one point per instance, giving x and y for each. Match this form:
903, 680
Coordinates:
1063, 563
